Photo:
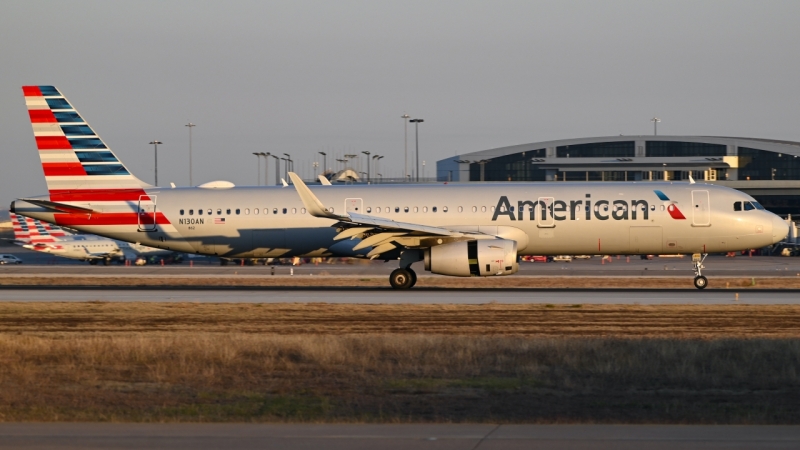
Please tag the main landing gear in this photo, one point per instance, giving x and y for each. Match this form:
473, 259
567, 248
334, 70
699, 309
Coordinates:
403, 278
700, 282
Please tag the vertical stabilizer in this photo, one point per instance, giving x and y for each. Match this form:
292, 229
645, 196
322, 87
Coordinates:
77, 164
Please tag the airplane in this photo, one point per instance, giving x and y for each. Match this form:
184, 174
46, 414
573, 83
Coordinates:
456, 229
39, 236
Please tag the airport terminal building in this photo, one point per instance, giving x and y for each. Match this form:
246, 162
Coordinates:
769, 170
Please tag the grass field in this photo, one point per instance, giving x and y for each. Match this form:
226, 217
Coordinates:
399, 363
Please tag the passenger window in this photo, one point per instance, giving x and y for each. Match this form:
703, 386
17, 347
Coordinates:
652, 208
284, 210
246, 211
266, 211
228, 212
199, 212
474, 209
237, 211
663, 207
369, 209
378, 209
460, 209
405, 209
397, 209
302, 210
737, 206
416, 209
492, 209
483, 209
294, 210
181, 212
274, 210
443, 209
191, 212
255, 211
209, 212
219, 212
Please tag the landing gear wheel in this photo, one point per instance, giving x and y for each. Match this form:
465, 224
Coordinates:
93, 262
106, 261
700, 282
401, 279
413, 277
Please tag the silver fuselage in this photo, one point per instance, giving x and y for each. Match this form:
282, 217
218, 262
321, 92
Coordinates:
577, 218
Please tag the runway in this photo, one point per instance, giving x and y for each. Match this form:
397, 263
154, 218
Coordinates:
391, 437
390, 296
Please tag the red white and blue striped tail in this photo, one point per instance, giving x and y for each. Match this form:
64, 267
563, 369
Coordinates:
77, 164
30, 230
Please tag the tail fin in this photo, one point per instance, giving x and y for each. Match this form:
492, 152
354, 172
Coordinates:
77, 164
33, 231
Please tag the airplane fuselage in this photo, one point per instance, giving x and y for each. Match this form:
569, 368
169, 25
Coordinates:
543, 218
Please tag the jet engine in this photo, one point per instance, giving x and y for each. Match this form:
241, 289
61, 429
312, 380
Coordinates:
480, 258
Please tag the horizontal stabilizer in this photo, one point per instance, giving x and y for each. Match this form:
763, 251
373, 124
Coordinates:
60, 207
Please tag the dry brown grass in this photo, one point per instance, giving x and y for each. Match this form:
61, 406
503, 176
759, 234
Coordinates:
662, 321
513, 282
397, 378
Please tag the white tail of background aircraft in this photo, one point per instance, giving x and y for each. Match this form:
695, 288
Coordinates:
459, 229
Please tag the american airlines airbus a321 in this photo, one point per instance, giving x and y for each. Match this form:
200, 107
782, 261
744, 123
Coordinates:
457, 229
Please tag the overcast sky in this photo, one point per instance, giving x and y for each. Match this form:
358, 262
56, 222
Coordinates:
306, 76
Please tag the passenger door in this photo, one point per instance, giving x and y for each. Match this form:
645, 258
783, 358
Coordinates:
701, 209
146, 215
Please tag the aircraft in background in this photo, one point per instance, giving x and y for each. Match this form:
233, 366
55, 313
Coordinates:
39, 236
470, 229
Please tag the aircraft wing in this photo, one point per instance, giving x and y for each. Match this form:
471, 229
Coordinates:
380, 233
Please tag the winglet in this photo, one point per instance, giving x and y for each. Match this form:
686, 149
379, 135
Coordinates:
310, 201
691, 180
324, 181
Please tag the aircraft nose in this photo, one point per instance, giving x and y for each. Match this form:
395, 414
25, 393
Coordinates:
780, 229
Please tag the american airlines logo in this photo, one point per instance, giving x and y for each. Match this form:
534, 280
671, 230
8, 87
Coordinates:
671, 206
573, 209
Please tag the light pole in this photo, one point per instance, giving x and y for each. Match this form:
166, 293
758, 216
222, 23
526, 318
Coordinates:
423, 170
405, 140
315, 164
343, 161
289, 167
324, 162
190, 125
416, 123
655, 121
258, 156
155, 143
368, 173
266, 165
277, 169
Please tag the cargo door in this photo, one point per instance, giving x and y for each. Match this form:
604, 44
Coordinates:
646, 240
701, 209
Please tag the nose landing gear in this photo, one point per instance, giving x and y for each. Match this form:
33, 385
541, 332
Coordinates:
700, 282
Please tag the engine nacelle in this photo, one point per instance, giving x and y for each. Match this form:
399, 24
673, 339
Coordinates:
481, 258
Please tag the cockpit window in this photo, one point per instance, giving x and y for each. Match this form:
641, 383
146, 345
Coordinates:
737, 206
758, 206
748, 206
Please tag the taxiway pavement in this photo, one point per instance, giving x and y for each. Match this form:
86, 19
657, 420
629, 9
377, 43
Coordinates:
391, 437
389, 296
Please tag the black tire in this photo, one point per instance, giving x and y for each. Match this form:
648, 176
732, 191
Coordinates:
106, 261
413, 277
400, 279
223, 262
93, 262
700, 282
